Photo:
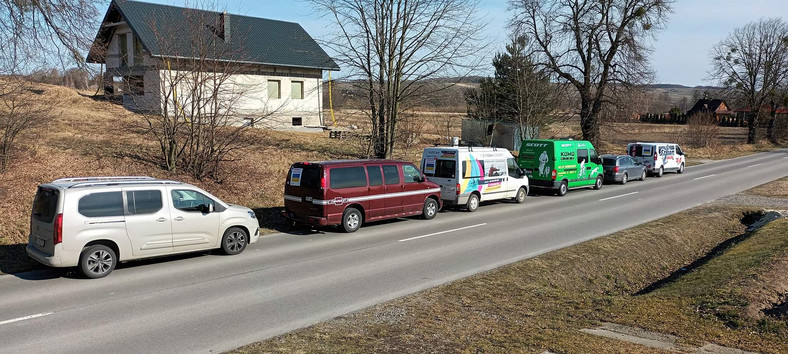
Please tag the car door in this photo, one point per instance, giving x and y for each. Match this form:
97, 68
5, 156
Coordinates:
413, 186
394, 188
148, 221
632, 169
195, 224
377, 190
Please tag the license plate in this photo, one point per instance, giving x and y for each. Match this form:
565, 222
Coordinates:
308, 199
40, 242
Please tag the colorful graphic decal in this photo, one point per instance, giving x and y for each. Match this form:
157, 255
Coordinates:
295, 177
429, 165
474, 178
544, 168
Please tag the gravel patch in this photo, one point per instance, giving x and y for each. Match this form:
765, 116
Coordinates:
746, 199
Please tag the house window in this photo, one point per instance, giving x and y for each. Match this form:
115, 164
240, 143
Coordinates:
137, 52
297, 90
297, 121
274, 89
123, 49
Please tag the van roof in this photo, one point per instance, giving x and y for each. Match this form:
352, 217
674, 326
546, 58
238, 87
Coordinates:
653, 143
349, 162
79, 182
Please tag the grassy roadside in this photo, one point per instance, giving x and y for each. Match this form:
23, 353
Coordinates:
542, 303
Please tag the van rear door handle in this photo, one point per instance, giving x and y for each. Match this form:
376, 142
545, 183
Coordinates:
161, 219
180, 218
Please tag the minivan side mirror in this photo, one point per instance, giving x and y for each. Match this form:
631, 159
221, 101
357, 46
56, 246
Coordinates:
205, 208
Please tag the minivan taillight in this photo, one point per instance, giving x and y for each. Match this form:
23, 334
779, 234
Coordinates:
655, 156
554, 175
57, 232
323, 182
458, 189
615, 169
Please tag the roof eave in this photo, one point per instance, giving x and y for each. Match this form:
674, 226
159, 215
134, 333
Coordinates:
328, 68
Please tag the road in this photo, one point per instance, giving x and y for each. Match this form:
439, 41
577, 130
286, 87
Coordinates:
208, 302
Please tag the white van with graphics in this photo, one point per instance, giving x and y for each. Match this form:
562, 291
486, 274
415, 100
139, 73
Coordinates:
658, 157
469, 175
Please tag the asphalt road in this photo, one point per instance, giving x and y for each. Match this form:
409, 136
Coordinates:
208, 302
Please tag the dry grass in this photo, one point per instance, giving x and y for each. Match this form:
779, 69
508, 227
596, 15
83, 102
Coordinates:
776, 189
541, 303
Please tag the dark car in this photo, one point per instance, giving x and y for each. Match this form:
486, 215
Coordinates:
622, 168
351, 192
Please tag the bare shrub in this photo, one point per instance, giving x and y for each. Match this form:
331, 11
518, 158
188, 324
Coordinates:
702, 130
18, 113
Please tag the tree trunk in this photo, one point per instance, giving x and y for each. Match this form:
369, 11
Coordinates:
588, 121
752, 127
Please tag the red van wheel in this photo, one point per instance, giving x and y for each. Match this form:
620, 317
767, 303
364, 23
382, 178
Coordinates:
430, 209
351, 220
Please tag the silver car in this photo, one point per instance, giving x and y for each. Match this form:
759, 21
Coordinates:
622, 168
95, 222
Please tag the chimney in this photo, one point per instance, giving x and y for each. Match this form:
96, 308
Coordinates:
224, 26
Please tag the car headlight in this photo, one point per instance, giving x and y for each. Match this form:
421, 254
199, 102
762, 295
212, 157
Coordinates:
251, 214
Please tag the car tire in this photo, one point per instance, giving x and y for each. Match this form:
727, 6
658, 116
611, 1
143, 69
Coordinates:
598, 183
519, 198
661, 172
234, 241
643, 175
473, 203
351, 220
624, 179
97, 261
563, 188
681, 169
430, 209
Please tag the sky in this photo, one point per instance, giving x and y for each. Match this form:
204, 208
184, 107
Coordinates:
681, 50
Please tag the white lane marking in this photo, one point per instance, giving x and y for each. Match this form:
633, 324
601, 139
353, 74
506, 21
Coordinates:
757, 164
697, 178
442, 232
25, 318
618, 196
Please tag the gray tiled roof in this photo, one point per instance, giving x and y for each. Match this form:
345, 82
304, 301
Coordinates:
167, 31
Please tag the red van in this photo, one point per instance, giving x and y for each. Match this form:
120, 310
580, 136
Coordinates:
351, 192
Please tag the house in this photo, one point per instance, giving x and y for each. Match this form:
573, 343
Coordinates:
273, 69
716, 107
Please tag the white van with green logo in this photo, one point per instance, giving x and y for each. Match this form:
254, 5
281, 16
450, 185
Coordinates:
469, 175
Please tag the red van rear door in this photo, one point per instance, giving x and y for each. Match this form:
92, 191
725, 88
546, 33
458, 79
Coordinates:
302, 188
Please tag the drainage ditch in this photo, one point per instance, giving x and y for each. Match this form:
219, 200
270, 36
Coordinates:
752, 219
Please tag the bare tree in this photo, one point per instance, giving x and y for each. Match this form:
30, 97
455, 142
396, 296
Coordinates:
18, 112
200, 103
752, 62
394, 47
592, 45
33, 33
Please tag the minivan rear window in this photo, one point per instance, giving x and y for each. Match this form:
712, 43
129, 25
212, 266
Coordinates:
45, 204
310, 176
443, 169
101, 204
348, 177
641, 150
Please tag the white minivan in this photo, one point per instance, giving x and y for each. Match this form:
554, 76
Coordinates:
469, 175
658, 157
96, 222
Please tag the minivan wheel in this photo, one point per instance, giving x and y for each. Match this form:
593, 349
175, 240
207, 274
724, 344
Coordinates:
234, 241
563, 188
97, 261
520, 197
661, 172
624, 179
598, 184
473, 203
351, 220
430, 209
681, 169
